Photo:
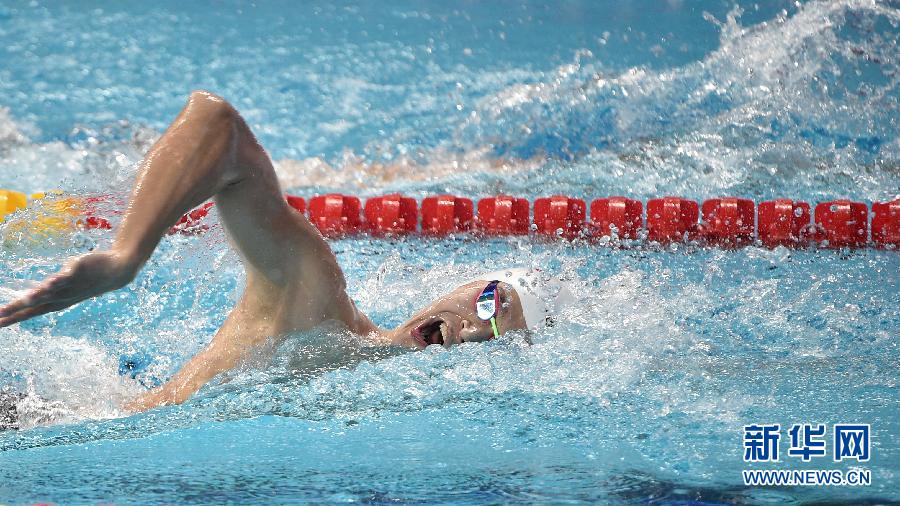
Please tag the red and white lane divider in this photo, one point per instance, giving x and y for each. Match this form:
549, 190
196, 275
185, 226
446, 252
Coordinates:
727, 222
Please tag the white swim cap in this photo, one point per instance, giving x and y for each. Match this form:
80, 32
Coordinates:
542, 295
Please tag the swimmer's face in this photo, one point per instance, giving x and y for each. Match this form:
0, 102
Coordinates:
452, 319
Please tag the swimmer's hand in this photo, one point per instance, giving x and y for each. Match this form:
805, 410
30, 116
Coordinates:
82, 278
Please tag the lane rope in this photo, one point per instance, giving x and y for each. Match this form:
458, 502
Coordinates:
726, 222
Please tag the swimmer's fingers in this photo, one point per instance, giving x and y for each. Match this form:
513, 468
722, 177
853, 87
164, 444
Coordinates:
51, 293
31, 312
40, 295
82, 278
14, 307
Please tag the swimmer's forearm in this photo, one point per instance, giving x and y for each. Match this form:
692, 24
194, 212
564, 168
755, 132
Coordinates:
188, 380
166, 395
191, 162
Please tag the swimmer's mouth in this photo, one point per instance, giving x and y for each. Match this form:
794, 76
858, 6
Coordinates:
429, 333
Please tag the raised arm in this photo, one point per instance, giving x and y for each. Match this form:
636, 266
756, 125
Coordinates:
208, 151
293, 279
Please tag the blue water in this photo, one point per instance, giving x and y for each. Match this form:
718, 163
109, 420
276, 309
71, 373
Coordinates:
637, 396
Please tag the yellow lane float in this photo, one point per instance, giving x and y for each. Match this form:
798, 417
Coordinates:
10, 201
55, 214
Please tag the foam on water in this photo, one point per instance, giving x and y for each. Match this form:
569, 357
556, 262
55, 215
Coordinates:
796, 105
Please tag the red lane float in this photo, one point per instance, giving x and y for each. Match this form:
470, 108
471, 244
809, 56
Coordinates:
886, 224
783, 222
190, 222
671, 219
841, 223
559, 216
298, 203
335, 214
617, 217
502, 215
93, 222
728, 221
446, 214
391, 214
90, 208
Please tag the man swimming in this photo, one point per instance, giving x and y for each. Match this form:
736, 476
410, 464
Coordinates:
294, 282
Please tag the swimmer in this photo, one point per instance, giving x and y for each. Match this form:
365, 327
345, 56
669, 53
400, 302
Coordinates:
294, 282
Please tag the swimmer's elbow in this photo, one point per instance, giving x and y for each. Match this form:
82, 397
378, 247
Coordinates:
211, 103
212, 111
242, 151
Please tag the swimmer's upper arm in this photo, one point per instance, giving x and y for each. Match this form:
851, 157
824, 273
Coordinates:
209, 152
276, 242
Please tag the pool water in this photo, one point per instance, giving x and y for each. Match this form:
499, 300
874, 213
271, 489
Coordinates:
640, 392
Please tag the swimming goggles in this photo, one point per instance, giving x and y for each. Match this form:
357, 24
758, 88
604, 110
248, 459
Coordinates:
486, 305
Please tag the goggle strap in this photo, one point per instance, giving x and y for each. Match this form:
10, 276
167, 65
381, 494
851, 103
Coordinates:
494, 327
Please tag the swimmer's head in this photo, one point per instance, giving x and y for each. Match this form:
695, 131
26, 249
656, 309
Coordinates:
526, 300
452, 318
542, 296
